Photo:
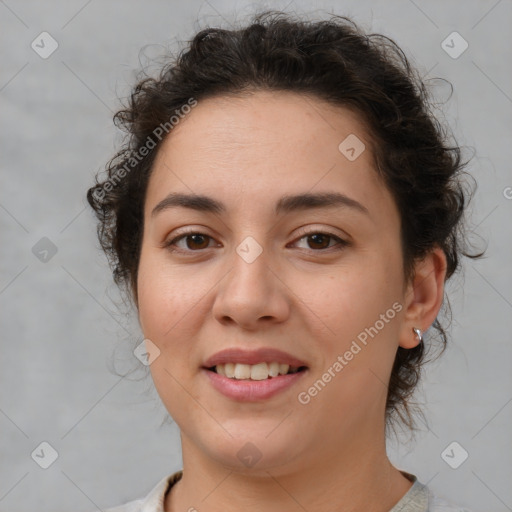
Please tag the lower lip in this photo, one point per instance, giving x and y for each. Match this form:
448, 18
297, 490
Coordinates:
252, 390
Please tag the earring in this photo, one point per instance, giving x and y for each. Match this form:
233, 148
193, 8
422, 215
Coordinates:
418, 334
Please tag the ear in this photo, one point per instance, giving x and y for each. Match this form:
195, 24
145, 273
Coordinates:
423, 297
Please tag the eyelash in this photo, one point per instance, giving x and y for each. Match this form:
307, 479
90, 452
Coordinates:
170, 244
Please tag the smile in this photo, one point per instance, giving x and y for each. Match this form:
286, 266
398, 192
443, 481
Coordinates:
260, 371
245, 389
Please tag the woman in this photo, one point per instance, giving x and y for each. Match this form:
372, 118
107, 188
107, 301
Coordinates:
284, 215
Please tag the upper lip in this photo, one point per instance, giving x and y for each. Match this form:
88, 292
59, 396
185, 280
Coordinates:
261, 355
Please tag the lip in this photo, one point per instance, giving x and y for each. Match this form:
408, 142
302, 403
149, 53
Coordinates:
252, 390
261, 355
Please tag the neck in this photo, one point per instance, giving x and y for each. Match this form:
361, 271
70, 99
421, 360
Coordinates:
355, 475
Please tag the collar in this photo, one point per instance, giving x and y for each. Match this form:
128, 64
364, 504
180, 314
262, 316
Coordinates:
415, 500
154, 500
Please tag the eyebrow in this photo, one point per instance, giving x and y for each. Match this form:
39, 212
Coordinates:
285, 204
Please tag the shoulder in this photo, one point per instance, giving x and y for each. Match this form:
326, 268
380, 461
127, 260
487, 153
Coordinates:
438, 504
131, 506
420, 498
153, 501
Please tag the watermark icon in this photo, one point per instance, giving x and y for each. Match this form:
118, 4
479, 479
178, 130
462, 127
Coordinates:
454, 45
304, 397
146, 352
158, 133
249, 454
44, 45
44, 250
249, 249
351, 147
454, 455
507, 192
44, 455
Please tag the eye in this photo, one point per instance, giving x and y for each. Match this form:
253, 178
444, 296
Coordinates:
317, 241
192, 240
320, 241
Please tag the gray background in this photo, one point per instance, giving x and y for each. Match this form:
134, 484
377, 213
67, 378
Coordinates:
63, 321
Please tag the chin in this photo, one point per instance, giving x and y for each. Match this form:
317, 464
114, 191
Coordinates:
252, 450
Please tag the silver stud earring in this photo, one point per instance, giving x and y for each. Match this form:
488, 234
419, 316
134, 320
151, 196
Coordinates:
418, 334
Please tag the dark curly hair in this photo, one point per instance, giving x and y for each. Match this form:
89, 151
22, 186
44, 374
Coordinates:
333, 60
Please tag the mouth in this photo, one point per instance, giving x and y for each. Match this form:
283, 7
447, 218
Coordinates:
255, 372
253, 375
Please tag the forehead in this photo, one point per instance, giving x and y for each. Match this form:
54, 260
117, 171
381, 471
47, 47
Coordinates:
259, 146
288, 124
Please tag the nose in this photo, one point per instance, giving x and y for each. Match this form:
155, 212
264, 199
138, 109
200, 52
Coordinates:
251, 294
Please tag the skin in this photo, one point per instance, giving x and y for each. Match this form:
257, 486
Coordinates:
296, 296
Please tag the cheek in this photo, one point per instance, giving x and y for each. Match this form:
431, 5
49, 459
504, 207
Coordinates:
349, 299
357, 311
164, 297
162, 311
172, 308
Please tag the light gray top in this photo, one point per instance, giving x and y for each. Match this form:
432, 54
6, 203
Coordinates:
419, 498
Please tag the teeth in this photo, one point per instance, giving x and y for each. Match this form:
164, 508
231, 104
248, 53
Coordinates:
242, 371
260, 371
273, 369
283, 368
229, 370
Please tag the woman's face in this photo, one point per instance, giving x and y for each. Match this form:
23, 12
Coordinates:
320, 282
